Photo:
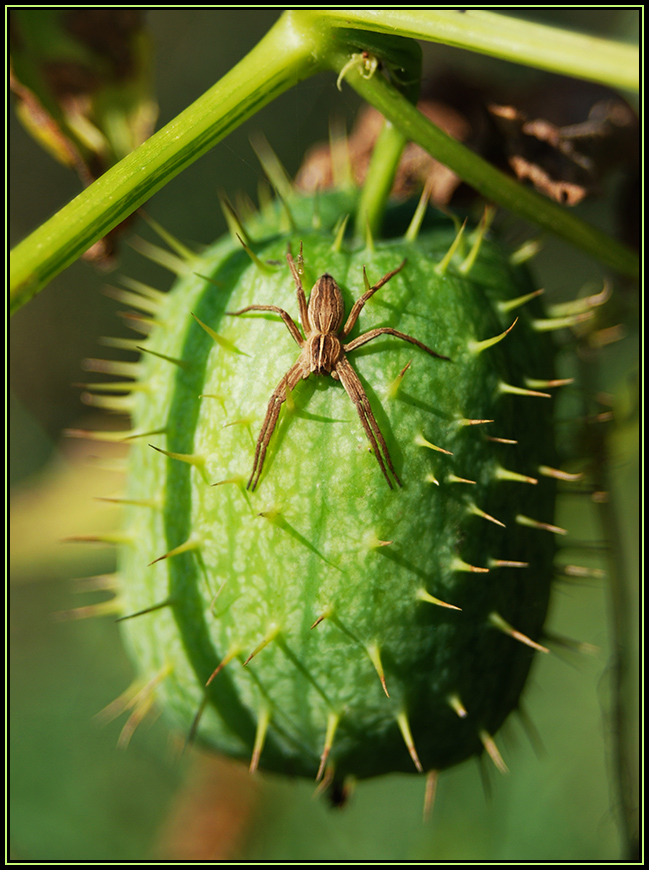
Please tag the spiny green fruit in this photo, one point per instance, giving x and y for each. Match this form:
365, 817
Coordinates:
326, 624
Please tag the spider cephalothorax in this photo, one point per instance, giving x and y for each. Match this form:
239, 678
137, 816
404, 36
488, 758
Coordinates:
324, 352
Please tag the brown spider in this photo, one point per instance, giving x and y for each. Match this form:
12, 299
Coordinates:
324, 353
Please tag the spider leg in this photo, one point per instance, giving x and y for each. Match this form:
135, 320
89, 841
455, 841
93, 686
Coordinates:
292, 377
360, 302
286, 317
351, 382
387, 330
301, 297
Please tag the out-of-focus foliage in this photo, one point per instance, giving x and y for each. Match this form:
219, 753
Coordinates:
83, 82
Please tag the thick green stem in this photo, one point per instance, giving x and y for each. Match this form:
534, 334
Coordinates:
278, 62
489, 181
301, 43
586, 57
378, 182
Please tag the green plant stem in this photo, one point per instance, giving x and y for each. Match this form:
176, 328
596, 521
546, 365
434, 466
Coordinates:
586, 57
299, 45
489, 181
378, 181
278, 62
622, 599
621, 664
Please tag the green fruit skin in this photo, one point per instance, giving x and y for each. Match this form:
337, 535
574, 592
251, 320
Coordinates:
264, 566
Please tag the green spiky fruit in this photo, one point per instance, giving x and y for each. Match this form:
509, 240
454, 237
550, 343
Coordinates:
326, 624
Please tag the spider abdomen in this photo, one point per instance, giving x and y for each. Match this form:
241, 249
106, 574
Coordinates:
324, 351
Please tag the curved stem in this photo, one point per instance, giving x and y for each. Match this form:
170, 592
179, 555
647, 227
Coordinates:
300, 44
615, 64
378, 181
282, 58
489, 181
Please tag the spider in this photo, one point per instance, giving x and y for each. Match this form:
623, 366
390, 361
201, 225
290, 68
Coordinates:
323, 352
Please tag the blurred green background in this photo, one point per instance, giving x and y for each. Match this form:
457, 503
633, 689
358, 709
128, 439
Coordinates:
74, 796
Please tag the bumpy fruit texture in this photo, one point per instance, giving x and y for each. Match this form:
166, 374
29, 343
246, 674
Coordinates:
316, 592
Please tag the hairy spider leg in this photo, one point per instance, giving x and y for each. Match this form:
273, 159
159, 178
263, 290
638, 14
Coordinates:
286, 317
301, 296
360, 302
387, 330
351, 382
290, 380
